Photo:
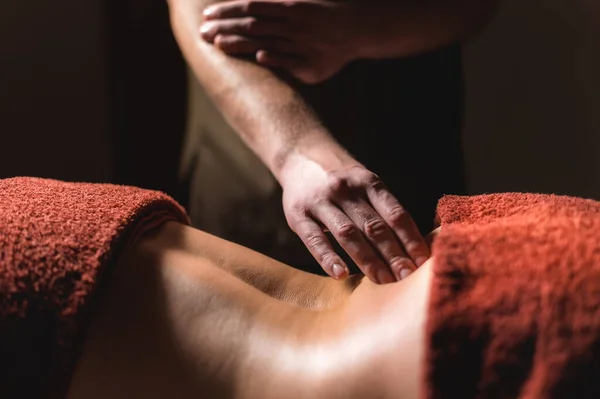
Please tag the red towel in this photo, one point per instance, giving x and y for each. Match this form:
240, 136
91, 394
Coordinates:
57, 242
515, 302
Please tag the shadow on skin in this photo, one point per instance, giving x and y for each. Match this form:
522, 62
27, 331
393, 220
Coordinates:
188, 314
132, 348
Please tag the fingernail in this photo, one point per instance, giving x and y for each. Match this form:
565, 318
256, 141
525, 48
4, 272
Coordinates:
208, 11
205, 28
404, 273
385, 277
339, 271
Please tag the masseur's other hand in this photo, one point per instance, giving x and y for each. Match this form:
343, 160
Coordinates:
311, 40
361, 214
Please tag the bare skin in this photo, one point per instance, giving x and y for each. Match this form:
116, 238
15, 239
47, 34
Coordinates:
337, 192
211, 319
314, 39
323, 186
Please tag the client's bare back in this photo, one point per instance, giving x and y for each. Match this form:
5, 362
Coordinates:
191, 315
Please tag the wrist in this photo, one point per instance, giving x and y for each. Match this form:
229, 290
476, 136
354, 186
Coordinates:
325, 156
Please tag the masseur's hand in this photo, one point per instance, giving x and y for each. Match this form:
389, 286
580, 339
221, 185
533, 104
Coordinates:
362, 215
311, 40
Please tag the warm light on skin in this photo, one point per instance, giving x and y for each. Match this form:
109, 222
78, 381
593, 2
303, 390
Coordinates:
345, 346
192, 326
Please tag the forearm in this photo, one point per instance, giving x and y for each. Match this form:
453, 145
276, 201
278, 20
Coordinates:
265, 110
406, 28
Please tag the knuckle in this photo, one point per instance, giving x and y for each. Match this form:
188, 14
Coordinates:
347, 231
252, 25
417, 249
224, 43
413, 246
358, 168
337, 184
248, 7
321, 202
398, 216
372, 180
328, 258
298, 210
219, 41
375, 228
314, 240
399, 262
295, 219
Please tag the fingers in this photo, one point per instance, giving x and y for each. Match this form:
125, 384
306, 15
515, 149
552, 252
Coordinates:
246, 26
236, 9
400, 221
380, 235
272, 60
270, 53
352, 240
319, 246
234, 44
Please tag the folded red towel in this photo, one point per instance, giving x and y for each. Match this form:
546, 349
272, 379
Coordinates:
57, 241
515, 302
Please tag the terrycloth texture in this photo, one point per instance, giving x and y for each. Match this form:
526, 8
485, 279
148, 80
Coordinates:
57, 241
515, 300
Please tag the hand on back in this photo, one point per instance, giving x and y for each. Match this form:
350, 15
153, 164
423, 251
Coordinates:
362, 216
312, 40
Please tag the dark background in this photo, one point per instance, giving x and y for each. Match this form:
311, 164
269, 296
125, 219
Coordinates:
91, 91
97, 91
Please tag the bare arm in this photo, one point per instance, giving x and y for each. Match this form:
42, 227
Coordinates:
264, 109
404, 28
323, 185
321, 36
